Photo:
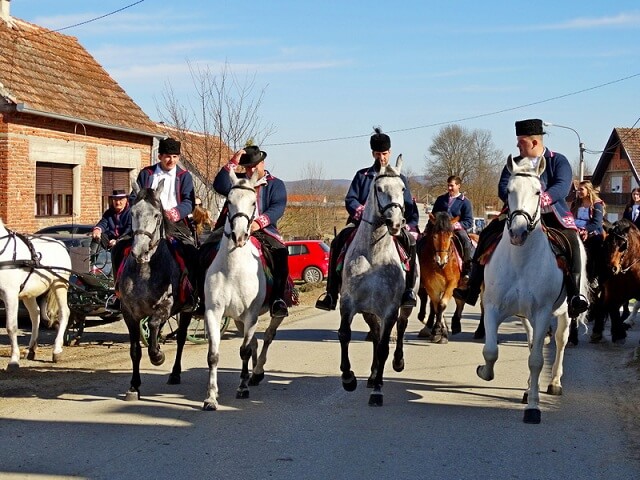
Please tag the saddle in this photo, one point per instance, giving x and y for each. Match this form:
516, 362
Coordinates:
402, 252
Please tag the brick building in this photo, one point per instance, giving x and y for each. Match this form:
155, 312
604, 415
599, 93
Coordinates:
69, 134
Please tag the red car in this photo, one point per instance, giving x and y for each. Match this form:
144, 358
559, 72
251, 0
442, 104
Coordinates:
308, 260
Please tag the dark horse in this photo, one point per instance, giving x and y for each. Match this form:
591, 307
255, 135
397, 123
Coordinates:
439, 275
149, 285
619, 278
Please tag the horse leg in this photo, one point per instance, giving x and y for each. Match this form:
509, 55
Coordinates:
247, 351
562, 337
156, 321
480, 333
490, 350
598, 315
135, 352
11, 324
212, 319
618, 332
270, 333
439, 332
60, 295
424, 298
374, 334
181, 338
573, 332
34, 314
398, 355
432, 316
349, 380
536, 361
425, 332
456, 325
382, 353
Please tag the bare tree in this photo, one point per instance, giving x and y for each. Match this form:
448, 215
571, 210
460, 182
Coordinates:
473, 157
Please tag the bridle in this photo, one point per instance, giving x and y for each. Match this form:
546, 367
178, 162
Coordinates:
532, 220
153, 242
249, 218
381, 209
623, 249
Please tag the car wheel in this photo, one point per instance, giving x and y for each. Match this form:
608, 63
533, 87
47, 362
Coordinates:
312, 275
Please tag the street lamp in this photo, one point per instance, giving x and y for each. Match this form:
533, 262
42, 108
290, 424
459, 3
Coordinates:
580, 145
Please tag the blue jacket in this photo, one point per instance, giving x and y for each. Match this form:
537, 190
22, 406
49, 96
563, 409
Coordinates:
628, 214
596, 218
109, 225
359, 191
556, 182
460, 207
184, 188
272, 200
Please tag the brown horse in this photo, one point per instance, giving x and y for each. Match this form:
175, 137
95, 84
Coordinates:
439, 275
618, 278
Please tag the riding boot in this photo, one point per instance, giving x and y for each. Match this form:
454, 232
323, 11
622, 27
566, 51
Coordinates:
409, 299
576, 301
280, 275
329, 300
470, 294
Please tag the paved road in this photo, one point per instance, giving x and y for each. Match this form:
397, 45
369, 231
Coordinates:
439, 419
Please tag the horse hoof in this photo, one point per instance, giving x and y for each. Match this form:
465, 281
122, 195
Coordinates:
399, 365
13, 367
595, 338
424, 333
531, 415
619, 340
349, 383
131, 396
157, 360
370, 382
440, 339
31, 355
375, 400
210, 406
554, 390
242, 394
255, 379
481, 374
56, 357
173, 379
525, 398
455, 328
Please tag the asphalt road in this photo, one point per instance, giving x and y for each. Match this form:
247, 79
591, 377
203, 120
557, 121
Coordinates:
439, 420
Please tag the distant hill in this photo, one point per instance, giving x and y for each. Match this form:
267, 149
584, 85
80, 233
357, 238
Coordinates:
300, 186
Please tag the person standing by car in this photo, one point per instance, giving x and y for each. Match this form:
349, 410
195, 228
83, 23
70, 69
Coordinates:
457, 205
114, 224
380, 144
271, 202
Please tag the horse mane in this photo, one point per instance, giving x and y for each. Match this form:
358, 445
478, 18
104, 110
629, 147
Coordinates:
148, 194
442, 222
622, 227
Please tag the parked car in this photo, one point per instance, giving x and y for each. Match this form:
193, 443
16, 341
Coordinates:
67, 229
308, 260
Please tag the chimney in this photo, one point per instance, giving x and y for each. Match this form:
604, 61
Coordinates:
4, 10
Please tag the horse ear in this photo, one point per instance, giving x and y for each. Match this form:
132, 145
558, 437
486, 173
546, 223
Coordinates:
159, 188
233, 176
399, 163
432, 217
254, 177
542, 164
135, 188
455, 220
510, 164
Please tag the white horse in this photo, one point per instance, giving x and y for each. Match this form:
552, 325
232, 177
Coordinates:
373, 280
523, 279
236, 287
30, 267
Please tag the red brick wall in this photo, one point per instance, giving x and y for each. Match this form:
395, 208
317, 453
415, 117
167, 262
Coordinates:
17, 184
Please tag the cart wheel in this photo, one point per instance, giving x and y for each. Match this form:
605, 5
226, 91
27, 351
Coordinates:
197, 332
74, 330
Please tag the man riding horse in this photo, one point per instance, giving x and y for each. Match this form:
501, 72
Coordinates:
556, 183
354, 202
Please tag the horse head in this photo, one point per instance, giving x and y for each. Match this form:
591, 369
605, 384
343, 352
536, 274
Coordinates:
523, 193
440, 232
146, 222
387, 192
241, 203
616, 244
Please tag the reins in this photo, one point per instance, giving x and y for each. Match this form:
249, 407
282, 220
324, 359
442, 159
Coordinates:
532, 220
381, 210
241, 214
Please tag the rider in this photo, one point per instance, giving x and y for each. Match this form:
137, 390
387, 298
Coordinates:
588, 210
556, 182
457, 205
354, 201
271, 202
114, 224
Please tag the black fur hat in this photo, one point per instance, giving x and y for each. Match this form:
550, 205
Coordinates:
533, 126
252, 156
169, 146
380, 142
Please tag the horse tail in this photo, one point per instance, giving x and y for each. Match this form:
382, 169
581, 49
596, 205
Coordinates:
49, 308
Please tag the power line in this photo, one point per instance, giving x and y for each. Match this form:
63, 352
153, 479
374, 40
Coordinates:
482, 115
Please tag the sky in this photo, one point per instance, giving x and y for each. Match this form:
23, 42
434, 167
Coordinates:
333, 70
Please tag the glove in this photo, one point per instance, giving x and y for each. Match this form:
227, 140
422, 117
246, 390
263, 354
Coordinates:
545, 199
358, 213
172, 214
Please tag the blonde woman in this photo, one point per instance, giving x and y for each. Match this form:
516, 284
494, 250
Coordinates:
588, 210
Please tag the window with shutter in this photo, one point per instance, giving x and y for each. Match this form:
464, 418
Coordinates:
54, 189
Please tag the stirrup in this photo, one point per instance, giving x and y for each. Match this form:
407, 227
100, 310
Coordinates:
577, 305
326, 302
279, 309
466, 295
409, 299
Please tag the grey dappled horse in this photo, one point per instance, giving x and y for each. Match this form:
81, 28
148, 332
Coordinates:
30, 267
149, 285
523, 279
373, 280
236, 287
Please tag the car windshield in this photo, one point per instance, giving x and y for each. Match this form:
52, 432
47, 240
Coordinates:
324, 246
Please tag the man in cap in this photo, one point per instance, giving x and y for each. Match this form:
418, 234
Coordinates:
271, 202
114, 224
380, 144
556, 182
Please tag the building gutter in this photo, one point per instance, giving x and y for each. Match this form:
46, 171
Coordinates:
20, 107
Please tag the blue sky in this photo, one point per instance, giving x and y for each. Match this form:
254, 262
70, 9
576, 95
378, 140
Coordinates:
334, 69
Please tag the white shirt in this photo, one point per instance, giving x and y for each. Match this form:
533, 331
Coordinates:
168, 195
